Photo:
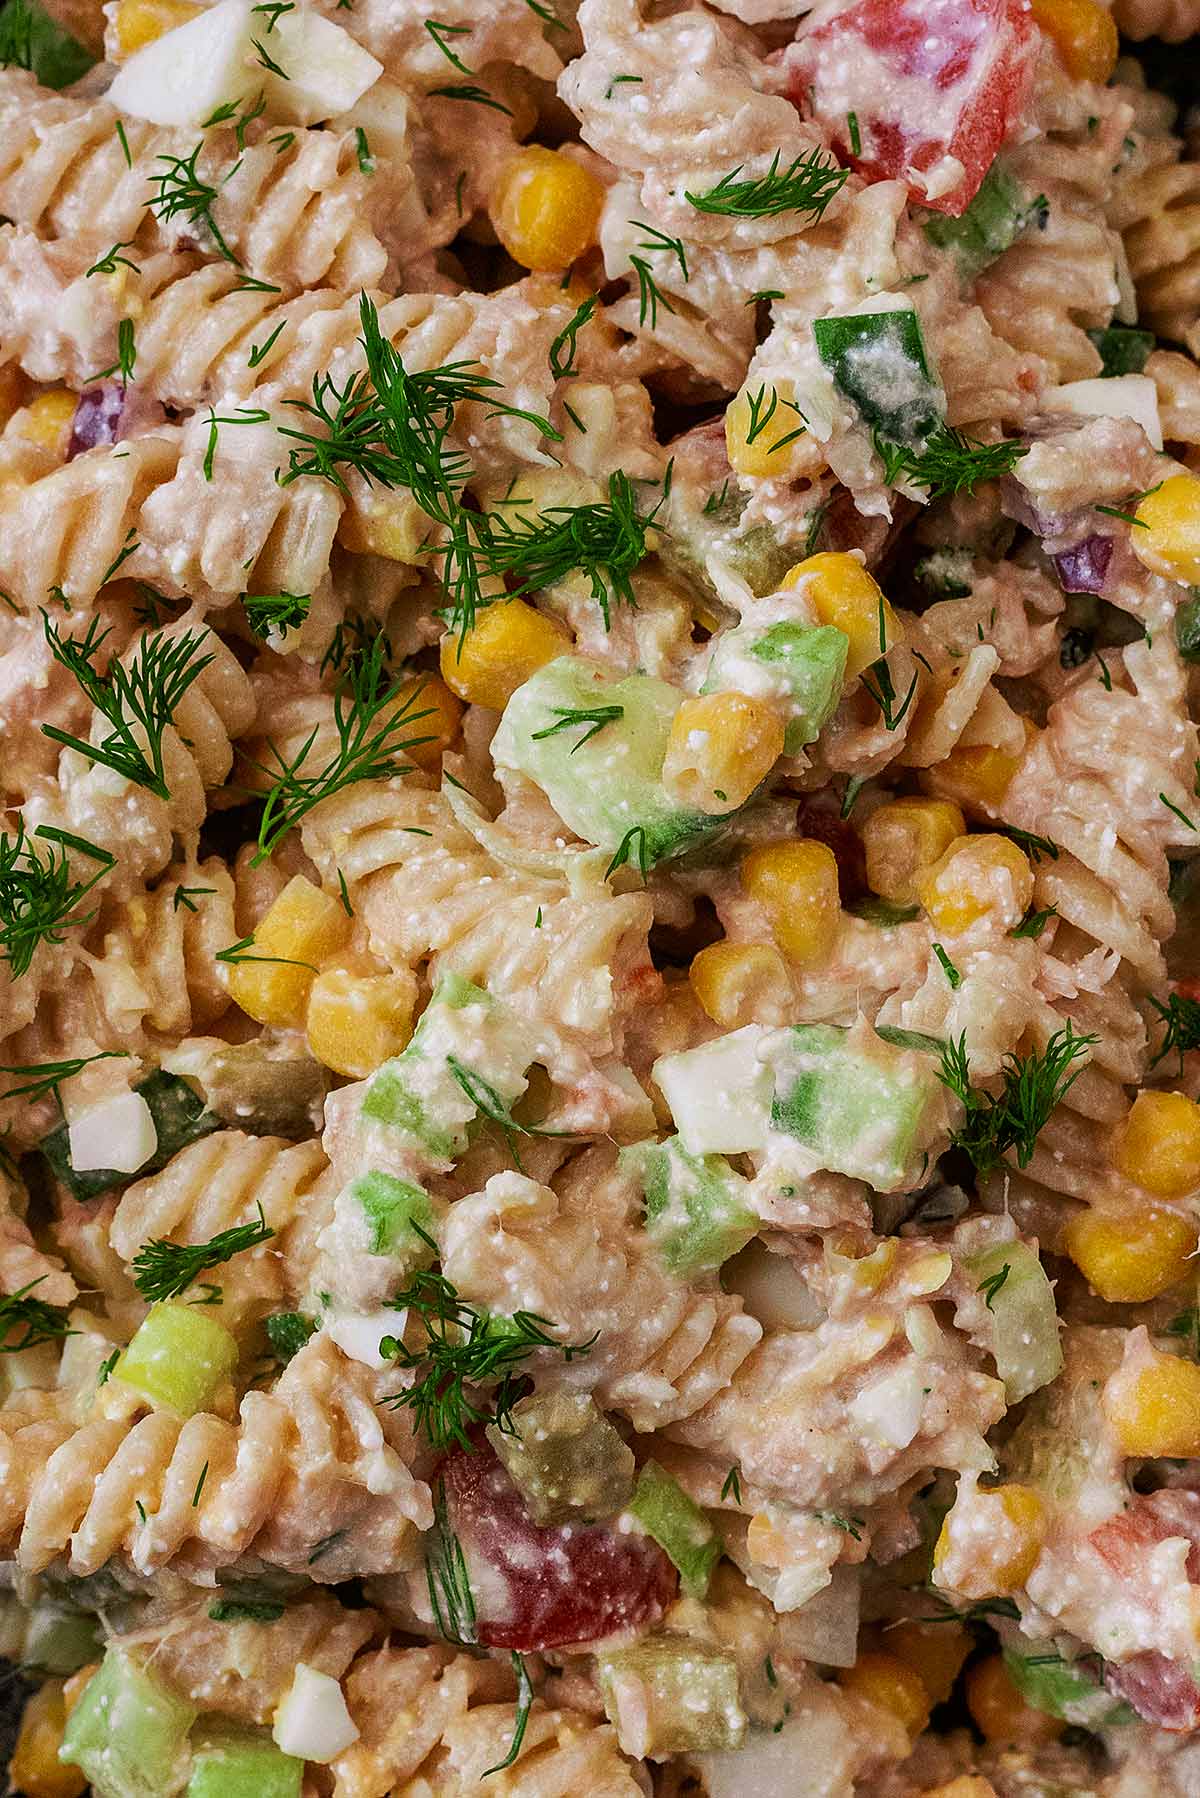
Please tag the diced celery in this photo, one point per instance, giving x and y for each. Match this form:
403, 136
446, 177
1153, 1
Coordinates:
179, 1356
861, 1108
565, 1457
696, 1213
992, 222
1019, 1300
128, 1733
667, 1695
241, 1765
60, 1639
678, 1525
879, 360
720, 1093
394, 1209
179, 1115
1062, 1688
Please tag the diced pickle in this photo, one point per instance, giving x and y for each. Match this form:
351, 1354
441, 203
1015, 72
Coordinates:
249, 1089
667, 1695
566, 1458
128, 1732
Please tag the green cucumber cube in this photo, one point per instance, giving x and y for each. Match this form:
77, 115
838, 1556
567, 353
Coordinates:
879, 360
993, 221
178, 1357
696, 1212
668, 1695
395, 1209
128, 1732
237, 1765
60, 1639
804, 666
1022, 1315
862, 1108
678, 1525
720, 1093
1063, 1688
1123, 351
1187, 627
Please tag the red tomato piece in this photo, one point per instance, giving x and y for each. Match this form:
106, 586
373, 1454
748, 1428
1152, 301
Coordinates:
1123, 1541
1160, 1691
544, 1586
910, 88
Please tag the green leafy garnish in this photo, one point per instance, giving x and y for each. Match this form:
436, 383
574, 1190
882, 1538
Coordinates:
950, 463
184, 193
877, 679
31, 39
1181, 1016
993, 1285
246, 1610
439, 32
107, 264
450, 1597
948, 968
570, 717
733, 1485
39, 1322
234, 954
1033, 924
471, 91
521, 1720
561, 366
42, 1077
1032, 1086
162, 1270
632, 849
808, 184
38, 898
187, 897
761, 411
1035, 847
271, 614
287, 1332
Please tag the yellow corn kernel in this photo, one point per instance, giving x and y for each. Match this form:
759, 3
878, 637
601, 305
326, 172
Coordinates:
1157, 1144
77, 1684
48, 419
507, 643
1166, 538
1000, 1712
796, 884
36, 1769
904, 838
385, 524
967, 1785
845, 594
302, 928
764, 431
436, 715
1006, 1528
139, 22
936, 1652
1083, 33
722, 745
1130, 1256
545, 208
979, 876
737, 982
356, 1021
1155, 1408
885, 1680
977, 775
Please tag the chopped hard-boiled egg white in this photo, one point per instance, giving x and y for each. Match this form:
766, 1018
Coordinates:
117, 1134
359, 1334
326, 71
312, 1722
1112, 396
719, 1094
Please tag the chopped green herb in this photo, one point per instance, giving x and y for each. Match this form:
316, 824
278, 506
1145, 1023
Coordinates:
1032, 1086
993, 1284
948, 968
273, 614
853, 133
38, 1321
38, 898
107, 264
471, 91
1033, 924
568, 718
808, 184
162, 1270
950, 463
733, 1485
42, 1077
184, 193
246, 1610
560, 366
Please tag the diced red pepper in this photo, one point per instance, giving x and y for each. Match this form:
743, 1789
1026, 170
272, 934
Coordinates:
1160, 1691
904, 86
540, 1586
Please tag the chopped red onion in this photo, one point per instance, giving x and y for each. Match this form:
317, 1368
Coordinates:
97, 418
1082, 568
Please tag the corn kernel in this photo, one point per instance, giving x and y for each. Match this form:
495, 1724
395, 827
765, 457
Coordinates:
1154, 1409
737, 983
507, 643
385, 524
764, 430
967, 1785
1084, 35
1005, 1529
1166, 538
1130, 1256
796, 884
1000, 1712
977, 775
36, 1769
545, 208
904, 838
139, 22
302, 927
436, 715
722, 745
77, 1684
885, 1680
48, 419
1158, 1144
356, 1021
936, 1652
846, 595
976, 877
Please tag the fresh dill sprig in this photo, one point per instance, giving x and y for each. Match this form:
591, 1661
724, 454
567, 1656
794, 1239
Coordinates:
235, 954
650, 295
439, 32
464, 1346
1032, 1086
126, 351
1034, 846
1181, 1016
1034, 922
370, 719
162, 1270
993, 1285
808, 184
948, 968
450, 1597
366, 161
877, 679
604, 540
139, 701
570, 717
42, 1077
39, 1321
260, 351
16, 36
488, 1102
272, 614
107, 264
521, 1719
661, 240
184, 193
632, 849
246, 1610
187, 897
761, 410
733, 1485
560, 366
471, 90
38, 898
950, 462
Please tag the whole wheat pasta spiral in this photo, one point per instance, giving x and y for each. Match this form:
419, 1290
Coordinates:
1173, 20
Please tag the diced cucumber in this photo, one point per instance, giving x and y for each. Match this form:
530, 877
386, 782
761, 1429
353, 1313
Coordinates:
128, 1733
696, 1212
60, 1639
1187, 628
678, 1525
992, 222
565, 1457
720, 1093
242, 1765
395, 1209
1122, 351
179, 1115
668, 1695
862, 1108
178, 1357
1019, 1300
604, 783
945, 573
1053, 1444
31, 39
1062, 1688
808, 663
878, 359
